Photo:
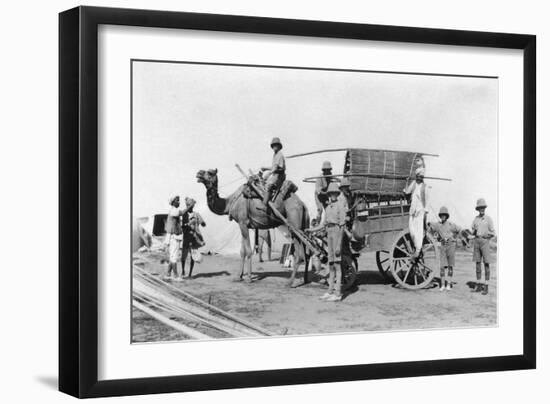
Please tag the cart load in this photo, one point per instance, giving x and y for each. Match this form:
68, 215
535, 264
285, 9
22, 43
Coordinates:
380, 213
380, 174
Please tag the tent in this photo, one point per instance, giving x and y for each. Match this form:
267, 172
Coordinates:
221, 235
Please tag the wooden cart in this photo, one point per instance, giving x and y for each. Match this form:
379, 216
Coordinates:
380, 217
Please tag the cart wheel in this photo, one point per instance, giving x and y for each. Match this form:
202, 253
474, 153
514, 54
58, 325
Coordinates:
414, 273
383, 262
349, 272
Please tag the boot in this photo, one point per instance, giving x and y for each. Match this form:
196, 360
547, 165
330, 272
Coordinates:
477, 288
485, 289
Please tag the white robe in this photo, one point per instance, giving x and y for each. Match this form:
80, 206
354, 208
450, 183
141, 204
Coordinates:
416, 213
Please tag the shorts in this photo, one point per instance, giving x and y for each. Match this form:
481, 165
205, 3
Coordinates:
274, 181
482, 250
447, 254
334, 241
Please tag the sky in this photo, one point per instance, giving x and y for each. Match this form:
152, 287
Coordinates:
188, 117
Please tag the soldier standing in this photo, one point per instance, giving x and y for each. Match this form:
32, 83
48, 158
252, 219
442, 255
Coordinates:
483, 231
335, 221
446, 232
321, 186
346, 197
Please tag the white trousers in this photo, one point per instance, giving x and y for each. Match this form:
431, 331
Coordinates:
173, 242
416, 228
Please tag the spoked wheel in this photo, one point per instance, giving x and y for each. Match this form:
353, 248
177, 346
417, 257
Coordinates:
414, 273
349, 271
383, 262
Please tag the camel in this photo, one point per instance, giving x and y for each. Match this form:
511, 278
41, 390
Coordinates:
251, 213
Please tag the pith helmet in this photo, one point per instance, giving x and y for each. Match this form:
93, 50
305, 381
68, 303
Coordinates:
481, 204
172, 199
420, 171
333, 188
326, 165
444, 212
345, 182
276, 140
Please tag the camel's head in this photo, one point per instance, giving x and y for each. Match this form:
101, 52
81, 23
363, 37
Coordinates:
209, 178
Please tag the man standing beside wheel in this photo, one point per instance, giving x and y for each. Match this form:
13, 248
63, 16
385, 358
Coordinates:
335, 221
483, 231
446, 232
418, 211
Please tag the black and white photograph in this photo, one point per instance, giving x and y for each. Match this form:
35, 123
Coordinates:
273, 201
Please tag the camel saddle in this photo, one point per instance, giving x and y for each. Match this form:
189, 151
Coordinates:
282, 193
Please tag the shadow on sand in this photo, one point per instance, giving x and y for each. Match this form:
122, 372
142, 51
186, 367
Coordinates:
210, 274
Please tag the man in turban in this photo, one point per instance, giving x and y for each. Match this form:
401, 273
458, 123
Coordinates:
174, 237
192, 236
418, 210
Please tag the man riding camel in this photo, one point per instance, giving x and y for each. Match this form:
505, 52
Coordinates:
276, 175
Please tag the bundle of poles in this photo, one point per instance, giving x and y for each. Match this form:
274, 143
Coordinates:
185, 313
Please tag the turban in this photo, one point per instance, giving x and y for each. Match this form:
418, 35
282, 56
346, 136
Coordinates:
420, 171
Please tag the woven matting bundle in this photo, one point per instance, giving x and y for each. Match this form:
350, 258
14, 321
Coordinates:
380, 172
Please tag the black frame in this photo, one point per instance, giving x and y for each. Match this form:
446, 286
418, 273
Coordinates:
78, 192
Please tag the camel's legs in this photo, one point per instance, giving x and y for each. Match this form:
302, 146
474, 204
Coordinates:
243, 255
246, 252
261, 243
299, 255
260, 249
268, 242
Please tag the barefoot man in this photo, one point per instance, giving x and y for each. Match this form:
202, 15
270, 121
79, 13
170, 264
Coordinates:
174, 236
417, 212
192, 237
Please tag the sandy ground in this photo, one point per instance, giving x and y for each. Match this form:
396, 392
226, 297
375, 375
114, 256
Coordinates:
373, 305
